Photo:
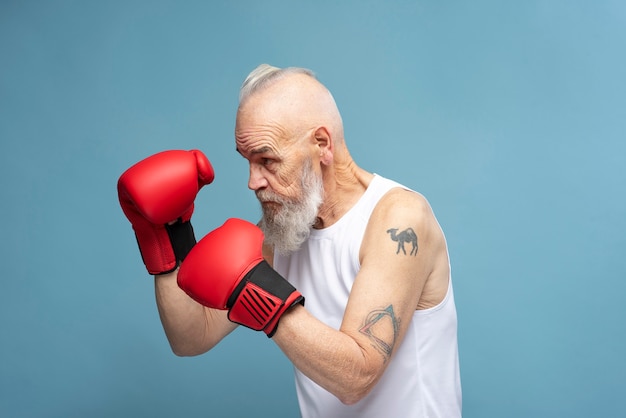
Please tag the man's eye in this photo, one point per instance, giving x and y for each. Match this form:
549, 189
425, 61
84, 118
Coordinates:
266, 161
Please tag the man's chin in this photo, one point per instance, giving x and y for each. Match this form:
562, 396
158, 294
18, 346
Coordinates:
270, 209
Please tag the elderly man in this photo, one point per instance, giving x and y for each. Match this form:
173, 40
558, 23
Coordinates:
350, 276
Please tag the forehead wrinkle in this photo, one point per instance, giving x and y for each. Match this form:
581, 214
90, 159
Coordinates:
262, 150
258, 138
250, 129
256, 143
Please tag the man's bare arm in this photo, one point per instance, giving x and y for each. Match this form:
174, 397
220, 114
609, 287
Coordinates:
349, 362
191, 328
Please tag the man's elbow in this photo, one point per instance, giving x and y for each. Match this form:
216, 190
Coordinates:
357, 388
184, 349
353, 396
350, 400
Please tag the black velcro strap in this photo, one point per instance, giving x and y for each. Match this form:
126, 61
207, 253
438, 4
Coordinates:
182, 238
264, 276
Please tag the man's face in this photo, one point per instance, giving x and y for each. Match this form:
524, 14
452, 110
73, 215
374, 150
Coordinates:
275, 131
284, 180
287, 221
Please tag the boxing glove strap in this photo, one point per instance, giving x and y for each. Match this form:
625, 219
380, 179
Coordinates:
259, 299
182, 238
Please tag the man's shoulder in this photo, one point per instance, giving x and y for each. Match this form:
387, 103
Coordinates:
402, 202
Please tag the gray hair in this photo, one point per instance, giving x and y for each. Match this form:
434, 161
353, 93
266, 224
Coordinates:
265, 75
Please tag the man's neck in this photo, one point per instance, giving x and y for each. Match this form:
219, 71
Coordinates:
344, 185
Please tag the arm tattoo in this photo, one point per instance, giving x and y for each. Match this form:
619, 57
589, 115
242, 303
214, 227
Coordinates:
408, 235
381, 326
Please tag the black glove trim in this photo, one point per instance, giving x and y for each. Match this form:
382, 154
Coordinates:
264, 276
182, 238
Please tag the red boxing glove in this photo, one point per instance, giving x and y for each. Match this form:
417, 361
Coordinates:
226, 270
154, 193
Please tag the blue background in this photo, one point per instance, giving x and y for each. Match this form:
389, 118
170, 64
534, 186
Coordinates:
509, 116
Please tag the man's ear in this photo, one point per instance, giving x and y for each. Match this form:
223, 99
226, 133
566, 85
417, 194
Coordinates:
324, 142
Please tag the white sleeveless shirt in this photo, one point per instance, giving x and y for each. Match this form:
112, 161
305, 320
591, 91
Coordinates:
422, 379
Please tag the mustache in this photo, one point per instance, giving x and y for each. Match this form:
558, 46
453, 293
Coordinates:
269, 196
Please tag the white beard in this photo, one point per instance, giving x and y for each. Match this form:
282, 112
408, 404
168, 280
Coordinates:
289, 225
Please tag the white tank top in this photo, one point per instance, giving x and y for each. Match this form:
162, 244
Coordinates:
422, 379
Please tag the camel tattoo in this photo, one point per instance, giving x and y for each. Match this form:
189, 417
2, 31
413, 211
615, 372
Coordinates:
381, 326
408, 235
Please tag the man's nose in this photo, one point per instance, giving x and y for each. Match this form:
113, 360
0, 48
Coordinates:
257, 178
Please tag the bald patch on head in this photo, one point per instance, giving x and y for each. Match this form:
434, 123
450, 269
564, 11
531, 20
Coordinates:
296, 102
